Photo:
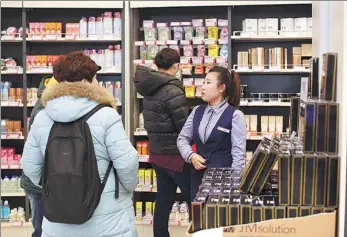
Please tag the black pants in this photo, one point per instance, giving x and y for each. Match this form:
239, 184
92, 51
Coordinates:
167, 182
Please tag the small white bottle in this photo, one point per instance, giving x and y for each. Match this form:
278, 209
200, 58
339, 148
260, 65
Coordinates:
141, 121
6, 184
14, 184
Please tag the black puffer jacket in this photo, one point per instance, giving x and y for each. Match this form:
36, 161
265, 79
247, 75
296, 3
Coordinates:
165, 108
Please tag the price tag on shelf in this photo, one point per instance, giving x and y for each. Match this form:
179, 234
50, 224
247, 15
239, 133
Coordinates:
70, 37
197, 60
139, 43
162, 25
4, 166
175, 23
37, 37
150, 42
185, 42
173, 42
50, 37
13, 136
221, 59
8, 37
143, 158
185, 60
275, 68
210, 41
14, 166
148, 24
12, 70
211, 22
222, 22
16, 223
198, 40
198, 22
223, 41
186, 23
209, 60
258, 68
161, 42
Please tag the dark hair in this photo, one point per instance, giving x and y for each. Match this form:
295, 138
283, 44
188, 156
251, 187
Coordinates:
73, 67
231, 80
166, 58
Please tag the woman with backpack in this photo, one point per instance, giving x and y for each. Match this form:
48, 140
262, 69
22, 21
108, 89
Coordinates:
77, 150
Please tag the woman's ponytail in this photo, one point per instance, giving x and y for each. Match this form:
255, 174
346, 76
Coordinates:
235, 93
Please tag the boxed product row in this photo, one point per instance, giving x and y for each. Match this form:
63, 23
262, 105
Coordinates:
317, 123
216, 29
270, 27
304, 178
108, 59
148, 52
147, 179
106, 26
277, 57
8, 64
115, 88
266, 97
179, 212
9, 158
142, 147
14, 96
14, 215
11, 185
269, 124
10, 126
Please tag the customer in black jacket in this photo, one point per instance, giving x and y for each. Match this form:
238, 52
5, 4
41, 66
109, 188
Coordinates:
165, 112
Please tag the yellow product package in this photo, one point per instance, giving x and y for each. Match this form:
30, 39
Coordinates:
212, 32
213, 50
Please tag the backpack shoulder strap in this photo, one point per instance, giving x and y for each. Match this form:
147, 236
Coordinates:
93, 111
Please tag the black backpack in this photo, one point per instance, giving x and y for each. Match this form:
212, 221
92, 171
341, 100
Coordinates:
71, 185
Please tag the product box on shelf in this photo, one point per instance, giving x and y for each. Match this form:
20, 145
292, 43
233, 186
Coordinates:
296, 178
333, 178
308, 179
321, 177
307, 124
314, 78
328, 79
294, 114
332, 134
321, 126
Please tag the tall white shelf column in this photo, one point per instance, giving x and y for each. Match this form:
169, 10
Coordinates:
330, 35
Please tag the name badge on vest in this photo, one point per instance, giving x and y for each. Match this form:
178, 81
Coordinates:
223, 129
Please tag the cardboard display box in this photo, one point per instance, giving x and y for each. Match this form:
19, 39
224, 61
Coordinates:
323, 224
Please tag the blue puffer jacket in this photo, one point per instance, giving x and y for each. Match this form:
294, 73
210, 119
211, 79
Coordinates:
66, 102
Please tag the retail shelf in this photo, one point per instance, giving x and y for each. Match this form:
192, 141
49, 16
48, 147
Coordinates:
171, 223
144, 158
149, 4
15, 224
271, 71
149, 190
16, 40
267, 104
66, 40
50, 71
194, 42
11, 167
12, 136
12, 71
73, 4
270, 38
16, 194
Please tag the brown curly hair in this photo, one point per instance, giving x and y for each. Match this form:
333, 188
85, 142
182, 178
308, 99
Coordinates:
74, 66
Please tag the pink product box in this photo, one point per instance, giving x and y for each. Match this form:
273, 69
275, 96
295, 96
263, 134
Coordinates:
4, 160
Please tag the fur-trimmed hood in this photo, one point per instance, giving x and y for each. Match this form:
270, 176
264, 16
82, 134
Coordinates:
68, 101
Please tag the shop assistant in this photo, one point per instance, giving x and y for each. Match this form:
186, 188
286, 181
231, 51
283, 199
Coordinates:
217, 128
